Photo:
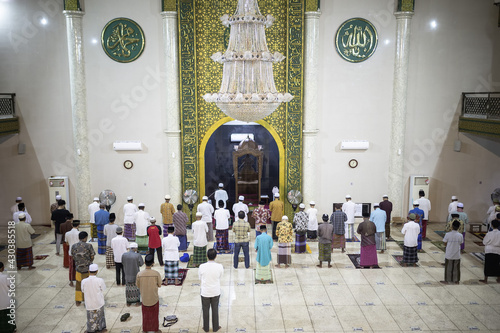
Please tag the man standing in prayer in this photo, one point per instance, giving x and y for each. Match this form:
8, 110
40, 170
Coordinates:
207, 211
141, 220
7, 324
154, 240
386, 206
119, 246
368, 252
64, 228
180, 220
338, 220
93, 208
148, 282
462, 216
21, 208
110, 233
284, 231
452, 241
312, 223
132, 262
167, 211
425, 205
240, 206
15, 207
200, 229
261, 215
241, 229
410, 230
491, 213
452, 207
263, 245
221, 194
349, 208
492, 253
210, 274
379, 217
325, 234
129, 210
171, 245
419, 214
59, 217
101, 218
222, 217
93, 288
24, 245
83, 255
300, 221
53, 206
277, 208
71, 238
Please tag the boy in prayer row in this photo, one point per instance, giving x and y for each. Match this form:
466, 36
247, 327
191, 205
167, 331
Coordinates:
492, 252
21, 209
312, 223
154, 242
119, 246
181, 220
110, 233
222, 217
410, 230
71, 238
325, 234
171, 245
200, 242
93, 289
65, 227
263, 245
452, 241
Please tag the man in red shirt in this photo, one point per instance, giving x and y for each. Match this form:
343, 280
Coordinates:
154, 244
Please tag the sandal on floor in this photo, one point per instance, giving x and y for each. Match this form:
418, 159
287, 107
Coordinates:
124, 316
170, 320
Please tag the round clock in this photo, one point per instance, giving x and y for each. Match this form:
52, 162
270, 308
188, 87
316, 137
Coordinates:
128, 164
353, 163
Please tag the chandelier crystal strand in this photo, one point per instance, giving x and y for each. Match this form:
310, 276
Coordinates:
247, 91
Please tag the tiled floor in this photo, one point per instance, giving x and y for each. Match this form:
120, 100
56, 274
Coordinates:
303, 297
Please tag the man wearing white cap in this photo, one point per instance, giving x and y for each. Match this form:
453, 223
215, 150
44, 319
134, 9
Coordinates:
221, 194
378, 217
349, 208
21, 209
386, 206
15, 208
425, 205
93, 208
222, 217
452, 207
312, 223
129, 210
462, 216
54, 205
119, 245
200, 230
277, 208
24, 251
167, 211
93, 288
300, 221
240, 206
132, 262
207, 210
419, 214
141, 220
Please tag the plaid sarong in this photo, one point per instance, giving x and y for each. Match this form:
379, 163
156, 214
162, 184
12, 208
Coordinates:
110, 259
300, 243
452, 270
338, 242
24, 257
183, 241
150, 321
129, 231
72, 269
142, 243
410, 254
199, 255
132, 293
222, 239
101, 240
324, 252
263, 273
78, 287
368, 255
284, 253
96, 321
380, 240
171, 269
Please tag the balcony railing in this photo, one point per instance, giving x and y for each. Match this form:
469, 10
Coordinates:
7, 109
481, 105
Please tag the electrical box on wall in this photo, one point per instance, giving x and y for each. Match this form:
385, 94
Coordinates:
418, 183
59, 185
127, 145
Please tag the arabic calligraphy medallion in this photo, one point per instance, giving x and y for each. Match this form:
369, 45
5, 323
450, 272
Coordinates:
123, 40
356, 40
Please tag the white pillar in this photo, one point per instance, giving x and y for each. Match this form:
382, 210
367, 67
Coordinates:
399, 97
310, 128
78, 90
173, 129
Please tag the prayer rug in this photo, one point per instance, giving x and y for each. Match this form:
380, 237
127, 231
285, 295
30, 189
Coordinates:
33, 236
3, 247
353, 239
399, 259
439, 245
478, 256
401, 245
440, 233
229, 251
390, 239
479, 235
267, 281
41, 256
355, 259
182, 277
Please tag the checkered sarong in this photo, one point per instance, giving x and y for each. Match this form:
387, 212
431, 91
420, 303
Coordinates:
300, 243
132, 293
410, 255
380, 240
110, 259
199, 255
171, 269
101, 240
24, 257
284, 253
129, 231
222, 239
324, 252
338, 242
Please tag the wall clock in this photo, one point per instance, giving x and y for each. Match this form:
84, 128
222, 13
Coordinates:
123, 40
353, 163
128, 164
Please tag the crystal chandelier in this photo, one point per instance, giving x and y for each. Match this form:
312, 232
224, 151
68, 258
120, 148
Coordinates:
247, 91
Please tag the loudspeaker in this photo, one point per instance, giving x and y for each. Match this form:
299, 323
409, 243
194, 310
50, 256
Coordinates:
457, 146
21, 148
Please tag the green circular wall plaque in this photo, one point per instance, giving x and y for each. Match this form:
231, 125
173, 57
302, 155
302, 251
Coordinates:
123, 40
356, 40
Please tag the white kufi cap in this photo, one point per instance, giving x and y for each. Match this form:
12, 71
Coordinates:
241, 198
454, 197
205, 198
141, 205
276, 195
93, 268
312, 203
460, 205
284, 217
221, 185
199, 214
376, 204
348, 196
58, 197
302, 205
416, 203
96, 199
133, 245
130, 198
19, 198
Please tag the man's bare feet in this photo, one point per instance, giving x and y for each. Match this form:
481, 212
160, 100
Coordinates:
443, 282
71, 284
78, 303
320, 266
329, 266
382, 251
277, 266
286, 266
31, 267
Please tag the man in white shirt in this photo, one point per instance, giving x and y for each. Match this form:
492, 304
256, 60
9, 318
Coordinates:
210, 274
21, 209
200, 230
312, 223
221, 194
93, 288
71, 237
349, 209
119, 245
452, 241
93, 208
452, 207
15, 208
170, 245
425, 205
141, 220
207, 211
222, 217
411, 230
240, 206
129, 209
492, 252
